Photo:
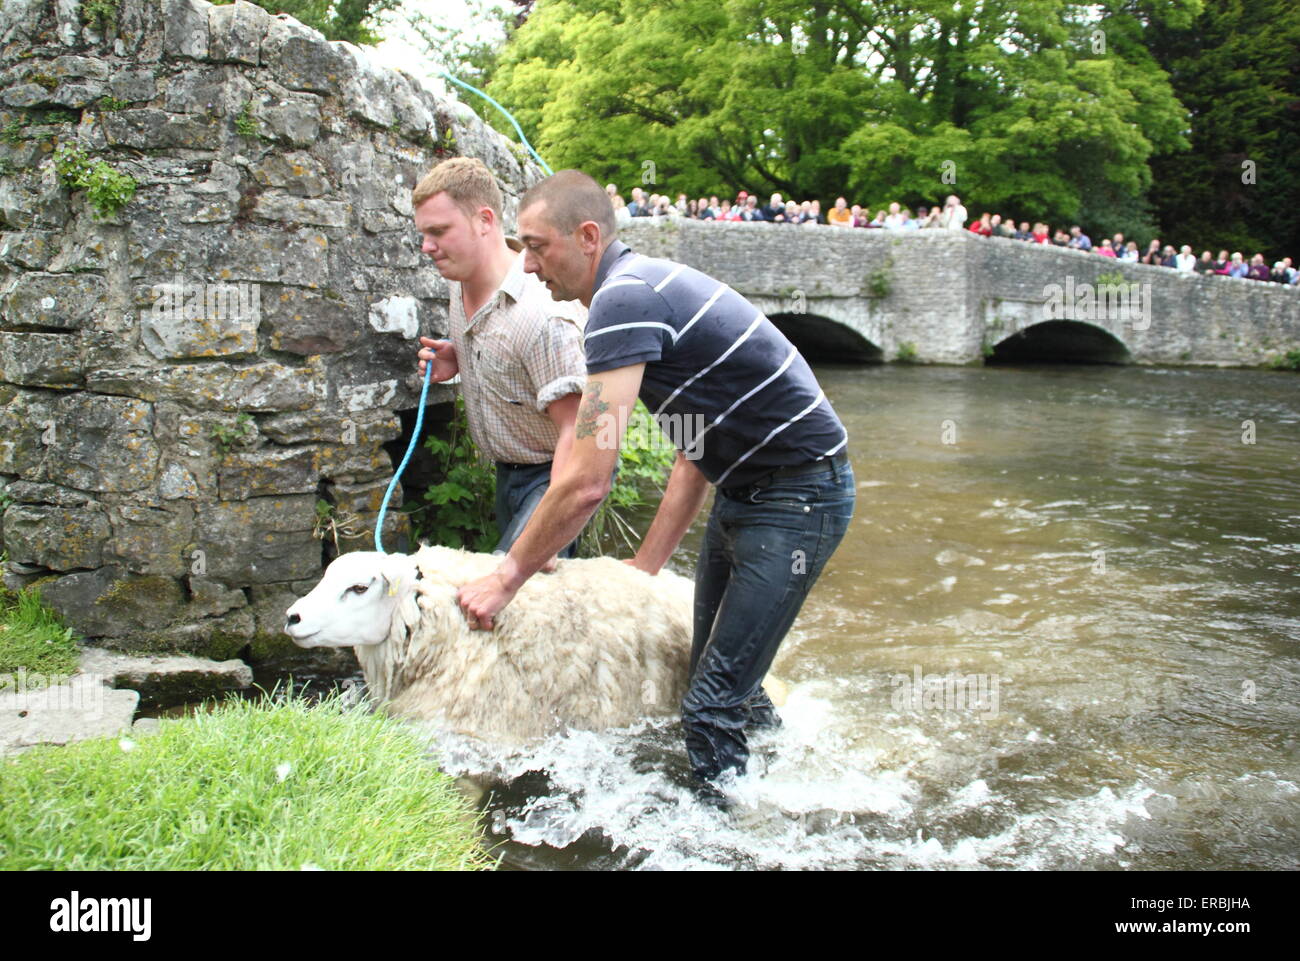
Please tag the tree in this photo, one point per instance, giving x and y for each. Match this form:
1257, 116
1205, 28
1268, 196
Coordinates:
1237, 67
1007, 103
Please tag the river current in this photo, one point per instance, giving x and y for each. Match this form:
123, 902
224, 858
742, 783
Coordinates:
1062, 632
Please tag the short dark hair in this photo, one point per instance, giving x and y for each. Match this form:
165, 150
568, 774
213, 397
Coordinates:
572, 198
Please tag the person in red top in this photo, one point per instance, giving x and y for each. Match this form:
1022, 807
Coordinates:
1040, 234
983, 226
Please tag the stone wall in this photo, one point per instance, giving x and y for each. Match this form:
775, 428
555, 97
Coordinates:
164, 440
952, 296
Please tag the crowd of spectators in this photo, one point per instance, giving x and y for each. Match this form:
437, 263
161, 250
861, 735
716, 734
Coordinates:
951, 216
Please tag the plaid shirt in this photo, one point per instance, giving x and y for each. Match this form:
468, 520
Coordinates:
520, 352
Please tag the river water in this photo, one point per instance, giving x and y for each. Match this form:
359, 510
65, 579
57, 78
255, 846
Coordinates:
1063, 632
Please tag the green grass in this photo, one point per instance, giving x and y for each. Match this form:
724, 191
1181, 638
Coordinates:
33, 637
268, 785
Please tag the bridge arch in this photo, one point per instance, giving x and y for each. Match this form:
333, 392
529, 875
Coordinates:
824, 339
1060, 342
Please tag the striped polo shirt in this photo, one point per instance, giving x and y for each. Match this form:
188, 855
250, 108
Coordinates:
732, 392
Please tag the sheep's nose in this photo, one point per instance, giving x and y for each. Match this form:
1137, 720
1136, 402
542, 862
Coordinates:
291, 620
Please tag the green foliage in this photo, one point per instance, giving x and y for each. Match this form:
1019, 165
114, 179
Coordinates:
1108, 281
863, 98
879, 282
101, 13
906, 353
14, 131
111, 103
279, 784
351, 20
44, 80
62, 116
1237, 66
1288, 361
33, 637
227, 436
107, 190
245, 123
644, 461
986, 350
460, 510
334, 522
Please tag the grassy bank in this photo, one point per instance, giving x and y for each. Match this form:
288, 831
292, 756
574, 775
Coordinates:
32, 637
252, 785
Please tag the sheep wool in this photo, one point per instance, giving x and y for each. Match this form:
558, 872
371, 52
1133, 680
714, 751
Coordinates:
595, 644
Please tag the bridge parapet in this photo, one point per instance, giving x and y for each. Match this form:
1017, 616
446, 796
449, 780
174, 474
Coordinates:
951, 297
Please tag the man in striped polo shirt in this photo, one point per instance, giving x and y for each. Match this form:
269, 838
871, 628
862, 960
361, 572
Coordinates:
747, 415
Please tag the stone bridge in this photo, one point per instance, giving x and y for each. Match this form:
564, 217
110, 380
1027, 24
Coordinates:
954, 298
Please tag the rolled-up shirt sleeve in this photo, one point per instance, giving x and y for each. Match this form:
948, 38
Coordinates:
555, 362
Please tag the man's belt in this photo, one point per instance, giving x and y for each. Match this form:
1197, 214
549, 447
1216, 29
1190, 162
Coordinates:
830, 464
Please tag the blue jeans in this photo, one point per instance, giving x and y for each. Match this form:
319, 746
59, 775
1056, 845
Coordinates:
519, 490
764, 548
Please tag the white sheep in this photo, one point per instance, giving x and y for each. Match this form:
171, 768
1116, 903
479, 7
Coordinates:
596, 644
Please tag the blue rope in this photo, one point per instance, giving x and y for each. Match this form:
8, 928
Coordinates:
410, 449
428, 370
519, 130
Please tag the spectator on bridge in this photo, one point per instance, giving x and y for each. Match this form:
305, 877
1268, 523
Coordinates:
877, 222
637, 205
681, 203
1078, 239
791, 213
927, 219
1205, 266
752, 212
1168, 257
1222, 263
775, 210
1117, 244
910, 222
1236, 266
1040, 236
1185, 261
954, 214
1152, 256
1283, 272
1131, 252
1060, 238
1258, 268
728, 213
840, 215
1106, 250
1024, 233
894, 220
817, 216
1004, 227
983, 226
715, 208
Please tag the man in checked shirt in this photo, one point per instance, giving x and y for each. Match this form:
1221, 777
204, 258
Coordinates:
518, 351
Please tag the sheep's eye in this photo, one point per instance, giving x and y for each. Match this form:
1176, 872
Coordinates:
358, 588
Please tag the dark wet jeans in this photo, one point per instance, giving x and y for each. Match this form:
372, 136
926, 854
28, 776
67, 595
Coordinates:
519, 490
764, 548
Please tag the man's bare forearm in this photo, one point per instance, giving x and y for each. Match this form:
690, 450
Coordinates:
686, 493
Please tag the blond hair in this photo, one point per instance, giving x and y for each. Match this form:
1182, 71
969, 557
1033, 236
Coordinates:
466, 180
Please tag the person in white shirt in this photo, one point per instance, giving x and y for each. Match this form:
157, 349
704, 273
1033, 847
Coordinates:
1186, 260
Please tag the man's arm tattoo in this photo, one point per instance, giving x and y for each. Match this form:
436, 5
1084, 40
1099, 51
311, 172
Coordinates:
592, 408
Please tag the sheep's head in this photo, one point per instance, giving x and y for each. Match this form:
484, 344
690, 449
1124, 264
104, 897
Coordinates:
354, 602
